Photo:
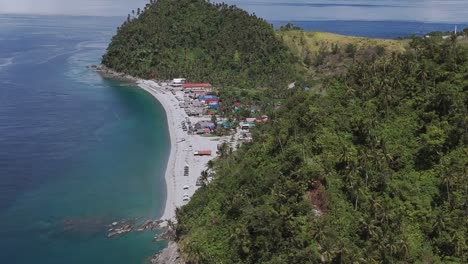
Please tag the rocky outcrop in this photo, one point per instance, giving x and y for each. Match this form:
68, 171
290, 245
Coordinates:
169, 255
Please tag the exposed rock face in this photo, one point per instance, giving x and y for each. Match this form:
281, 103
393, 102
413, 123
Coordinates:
169, 255
111, 74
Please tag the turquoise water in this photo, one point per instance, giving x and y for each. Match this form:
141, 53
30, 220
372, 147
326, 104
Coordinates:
77, 151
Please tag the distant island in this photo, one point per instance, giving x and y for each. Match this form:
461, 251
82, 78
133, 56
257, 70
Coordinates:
357, 148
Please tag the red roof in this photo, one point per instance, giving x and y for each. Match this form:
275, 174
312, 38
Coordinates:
196, 85
200, 92
204, 152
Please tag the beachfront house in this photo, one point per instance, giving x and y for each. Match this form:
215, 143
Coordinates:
197, 94
246, 125
198, 87
204, 124
178, 82
212, 101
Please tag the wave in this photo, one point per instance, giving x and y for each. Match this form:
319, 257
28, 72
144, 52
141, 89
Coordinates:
12, 83
6, 61
79, 47
58, 55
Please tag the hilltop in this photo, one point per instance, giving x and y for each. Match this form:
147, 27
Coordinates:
203, 42
326, 53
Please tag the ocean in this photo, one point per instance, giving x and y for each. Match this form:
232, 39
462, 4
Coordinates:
374, 29
78, 152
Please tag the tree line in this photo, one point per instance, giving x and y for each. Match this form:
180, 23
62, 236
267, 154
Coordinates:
371, 170
203, 42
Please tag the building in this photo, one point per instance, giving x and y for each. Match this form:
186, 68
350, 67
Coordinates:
198, 93
237, 106
246, 125
202, 153
205, 124
178, 82
198, 87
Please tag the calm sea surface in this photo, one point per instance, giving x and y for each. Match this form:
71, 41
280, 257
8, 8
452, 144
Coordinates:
374, 29
78, 152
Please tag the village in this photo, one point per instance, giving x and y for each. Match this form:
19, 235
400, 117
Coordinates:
201, 102
202, 126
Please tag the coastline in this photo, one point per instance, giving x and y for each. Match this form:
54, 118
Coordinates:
169, 207
181, 154
182, 144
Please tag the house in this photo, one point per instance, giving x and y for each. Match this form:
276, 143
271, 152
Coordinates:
228, 125
202, 153
210, 100
237, 106
214, 106
178, 82
198, 86
197, 94
246, 125
205, 124
265, 118
250, 119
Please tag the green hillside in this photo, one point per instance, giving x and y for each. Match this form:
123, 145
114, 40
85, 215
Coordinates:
203, 42
372, 171
327, 53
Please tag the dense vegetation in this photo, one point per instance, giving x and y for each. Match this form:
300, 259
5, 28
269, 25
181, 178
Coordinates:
373, 169
203, 42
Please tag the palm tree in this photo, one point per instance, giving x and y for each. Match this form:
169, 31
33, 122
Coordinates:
204, 177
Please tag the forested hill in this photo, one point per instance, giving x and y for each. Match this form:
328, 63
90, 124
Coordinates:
372, 171
200, 41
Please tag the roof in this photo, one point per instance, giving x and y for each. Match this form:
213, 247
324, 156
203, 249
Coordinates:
196, 85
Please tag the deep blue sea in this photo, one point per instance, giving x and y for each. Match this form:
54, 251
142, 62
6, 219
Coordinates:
78, 152
374, 29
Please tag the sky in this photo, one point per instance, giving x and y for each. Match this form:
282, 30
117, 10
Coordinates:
401, 10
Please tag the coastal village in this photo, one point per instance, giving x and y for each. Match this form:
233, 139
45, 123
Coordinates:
199, 132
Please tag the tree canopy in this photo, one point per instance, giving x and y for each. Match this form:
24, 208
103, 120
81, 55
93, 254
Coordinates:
372, 170
201, 41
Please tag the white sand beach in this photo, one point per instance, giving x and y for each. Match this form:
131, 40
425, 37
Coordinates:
183, 146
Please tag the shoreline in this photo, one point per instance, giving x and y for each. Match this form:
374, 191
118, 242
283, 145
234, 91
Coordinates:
169, 206
181, 143
183, 146
181, 154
